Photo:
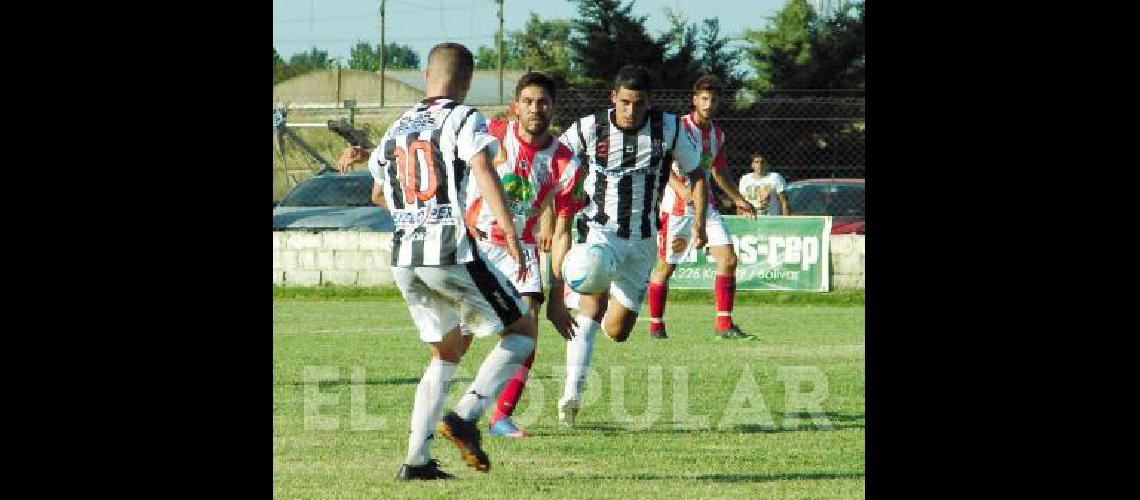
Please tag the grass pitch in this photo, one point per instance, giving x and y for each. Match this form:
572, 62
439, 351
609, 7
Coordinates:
345, 372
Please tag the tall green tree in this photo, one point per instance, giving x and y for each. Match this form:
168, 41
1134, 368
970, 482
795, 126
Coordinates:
608, 36
364, 57
717, 58
305, 62
280, 69
800, 50
543, 45
400, 56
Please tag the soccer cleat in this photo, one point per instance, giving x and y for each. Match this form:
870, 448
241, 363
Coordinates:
466, 437
659, 334
506, 428
734, 333
567, 411
428, 471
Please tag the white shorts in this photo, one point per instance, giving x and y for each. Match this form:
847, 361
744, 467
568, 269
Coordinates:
679, 228
498, 257
634, 264
476, 293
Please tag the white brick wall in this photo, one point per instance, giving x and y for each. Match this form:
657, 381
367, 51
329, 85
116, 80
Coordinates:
362, 258
302, 278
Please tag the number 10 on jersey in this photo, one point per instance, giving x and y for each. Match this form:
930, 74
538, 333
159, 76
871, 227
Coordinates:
411, 165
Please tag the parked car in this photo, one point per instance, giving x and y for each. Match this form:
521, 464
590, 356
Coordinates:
331, 202
843, 199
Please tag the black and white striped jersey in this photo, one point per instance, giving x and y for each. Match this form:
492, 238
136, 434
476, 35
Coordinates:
628, 170
421, 162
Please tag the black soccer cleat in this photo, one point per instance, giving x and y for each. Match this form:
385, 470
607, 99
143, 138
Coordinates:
734, 333
466, 437
659, 334
426, 472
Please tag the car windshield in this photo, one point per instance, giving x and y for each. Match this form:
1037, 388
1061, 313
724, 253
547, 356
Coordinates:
826, 199
331, 191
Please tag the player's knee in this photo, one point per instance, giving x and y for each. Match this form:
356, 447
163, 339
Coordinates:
526, 325
730, 260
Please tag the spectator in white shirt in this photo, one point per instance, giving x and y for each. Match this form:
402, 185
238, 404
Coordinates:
758, 187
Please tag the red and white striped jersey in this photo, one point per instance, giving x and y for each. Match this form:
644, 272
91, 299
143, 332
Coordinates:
529, 174
712, 156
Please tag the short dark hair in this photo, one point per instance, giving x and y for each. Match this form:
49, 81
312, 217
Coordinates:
756, 154
536, 78
466, 62
707, 83
633, 77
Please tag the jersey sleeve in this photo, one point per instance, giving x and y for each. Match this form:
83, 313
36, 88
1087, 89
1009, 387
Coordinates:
569, 196
497, 128
377, 162
473, 136
686, 149
570, 138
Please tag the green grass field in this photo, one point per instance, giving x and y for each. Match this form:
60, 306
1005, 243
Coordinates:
346, 436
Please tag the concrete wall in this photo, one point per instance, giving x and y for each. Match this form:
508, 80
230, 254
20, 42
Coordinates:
848, 261
363, 86
362, 258
332, 257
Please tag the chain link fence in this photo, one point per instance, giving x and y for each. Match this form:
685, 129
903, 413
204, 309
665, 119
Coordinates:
801, 135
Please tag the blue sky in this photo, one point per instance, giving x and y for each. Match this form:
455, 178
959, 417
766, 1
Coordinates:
336, 25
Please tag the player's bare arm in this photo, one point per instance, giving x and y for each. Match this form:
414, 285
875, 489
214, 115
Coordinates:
546, 224
783, 198
679, 187
556, 312
742, 205
700, 206
351, 156
492, 190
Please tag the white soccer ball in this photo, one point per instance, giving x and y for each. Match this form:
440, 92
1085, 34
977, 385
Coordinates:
589, 267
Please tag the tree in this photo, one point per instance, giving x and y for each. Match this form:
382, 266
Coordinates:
679, 65
606, 37
803, 51
400, 57
364, 57
717, 58
305, 62
486, 58
280, 70
543, 46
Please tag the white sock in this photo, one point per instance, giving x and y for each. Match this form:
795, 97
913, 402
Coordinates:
579, 350
501, 363
431, 395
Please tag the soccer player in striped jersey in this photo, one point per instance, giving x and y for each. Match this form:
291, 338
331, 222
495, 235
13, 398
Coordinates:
538, 173
628, 154
433, 162
677, 214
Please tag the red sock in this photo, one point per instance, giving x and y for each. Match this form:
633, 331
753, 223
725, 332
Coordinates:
725, 287
513, 391
657, 296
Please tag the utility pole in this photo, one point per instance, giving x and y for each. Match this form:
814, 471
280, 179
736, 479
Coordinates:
500, 52
383, 55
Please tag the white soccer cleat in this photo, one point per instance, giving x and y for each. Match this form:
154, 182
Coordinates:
567, 411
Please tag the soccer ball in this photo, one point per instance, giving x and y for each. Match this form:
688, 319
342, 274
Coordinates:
589, 267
